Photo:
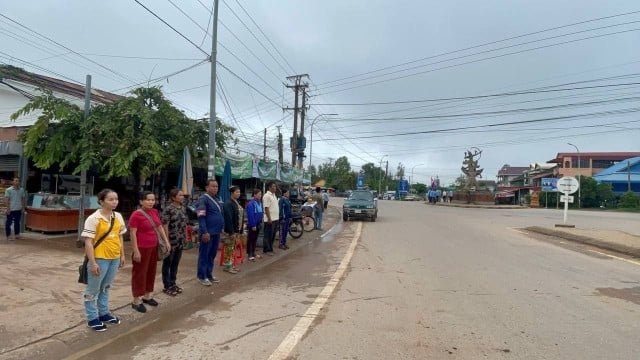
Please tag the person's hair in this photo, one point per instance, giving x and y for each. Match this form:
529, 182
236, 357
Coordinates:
209, 181
285, 190
173, 193
103, 194
233, 188
270, 183
144, 194
256, 191
318, 189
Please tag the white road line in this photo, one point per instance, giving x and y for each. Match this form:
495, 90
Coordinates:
328, 231
291, 340
616, 257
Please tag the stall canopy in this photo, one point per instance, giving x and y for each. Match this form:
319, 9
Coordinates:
252, 167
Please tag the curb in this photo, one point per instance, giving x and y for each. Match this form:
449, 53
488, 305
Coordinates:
606, 245
474, 206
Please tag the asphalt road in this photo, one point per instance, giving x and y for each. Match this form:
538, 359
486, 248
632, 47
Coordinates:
423, 282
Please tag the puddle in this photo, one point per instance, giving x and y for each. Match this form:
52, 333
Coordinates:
628, 294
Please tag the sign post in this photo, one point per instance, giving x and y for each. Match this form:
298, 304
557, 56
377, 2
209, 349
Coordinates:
567, 185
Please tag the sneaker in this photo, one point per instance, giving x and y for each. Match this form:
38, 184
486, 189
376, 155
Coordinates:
205, 282
214, 279
97, 325
283, 247
108, 318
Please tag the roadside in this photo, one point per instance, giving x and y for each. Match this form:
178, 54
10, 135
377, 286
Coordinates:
612, 240
41, 306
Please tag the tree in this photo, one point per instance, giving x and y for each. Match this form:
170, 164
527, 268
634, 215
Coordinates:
629, 201
139, 135
460, 182
420, 188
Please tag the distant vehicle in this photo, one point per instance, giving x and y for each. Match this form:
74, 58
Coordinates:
389, 195
360, 204
410, 198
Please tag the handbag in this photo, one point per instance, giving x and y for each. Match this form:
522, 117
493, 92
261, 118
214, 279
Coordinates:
163, 252
83, 270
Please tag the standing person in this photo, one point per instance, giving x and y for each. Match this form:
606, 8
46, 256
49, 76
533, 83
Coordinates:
325, 199
107, 226
146, 231
254, 220
285, 217
14, 198
444, 196
210, 225
271, 216
174, 221
232, 220
319, 208
450, 195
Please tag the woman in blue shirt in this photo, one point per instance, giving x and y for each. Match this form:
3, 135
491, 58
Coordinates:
254, 221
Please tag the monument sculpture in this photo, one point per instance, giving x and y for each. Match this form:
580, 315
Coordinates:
471, 168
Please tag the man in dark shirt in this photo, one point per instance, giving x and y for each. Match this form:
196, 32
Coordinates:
210, 225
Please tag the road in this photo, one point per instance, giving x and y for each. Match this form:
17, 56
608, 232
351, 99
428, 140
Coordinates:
423, 282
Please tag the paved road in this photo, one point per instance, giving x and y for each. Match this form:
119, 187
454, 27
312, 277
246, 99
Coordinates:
423, 282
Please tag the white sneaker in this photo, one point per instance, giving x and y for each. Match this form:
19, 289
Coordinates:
205, 282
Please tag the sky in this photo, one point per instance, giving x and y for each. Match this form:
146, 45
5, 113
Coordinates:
411, 82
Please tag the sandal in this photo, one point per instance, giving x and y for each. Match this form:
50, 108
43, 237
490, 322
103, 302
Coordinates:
177, 289
231, 271
258, 256
170, 291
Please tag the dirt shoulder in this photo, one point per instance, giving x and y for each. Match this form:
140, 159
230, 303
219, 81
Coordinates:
613, 240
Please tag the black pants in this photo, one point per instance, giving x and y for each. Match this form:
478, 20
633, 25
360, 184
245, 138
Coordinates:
252, 239
268, 236
170, 267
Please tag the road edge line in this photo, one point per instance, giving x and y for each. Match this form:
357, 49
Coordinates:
297, 332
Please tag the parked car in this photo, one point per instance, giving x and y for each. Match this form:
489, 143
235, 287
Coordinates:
360, 204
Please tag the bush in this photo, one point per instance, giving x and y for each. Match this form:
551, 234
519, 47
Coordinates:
629, 201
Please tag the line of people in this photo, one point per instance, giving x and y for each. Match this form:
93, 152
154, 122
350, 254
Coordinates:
104, 246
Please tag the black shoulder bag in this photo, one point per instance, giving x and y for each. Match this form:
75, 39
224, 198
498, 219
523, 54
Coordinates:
83, 270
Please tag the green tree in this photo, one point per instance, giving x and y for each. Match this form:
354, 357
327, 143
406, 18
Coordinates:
460, 182
629, 200
400, 171
139, 135
605, 194
420, 188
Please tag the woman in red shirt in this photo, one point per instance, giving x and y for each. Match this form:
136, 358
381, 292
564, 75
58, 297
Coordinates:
144, 241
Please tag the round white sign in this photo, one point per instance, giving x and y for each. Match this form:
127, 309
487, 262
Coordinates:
568, 185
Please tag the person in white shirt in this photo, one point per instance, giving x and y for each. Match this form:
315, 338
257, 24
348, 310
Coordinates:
271, 218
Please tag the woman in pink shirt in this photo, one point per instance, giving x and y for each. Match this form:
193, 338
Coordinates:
144, 241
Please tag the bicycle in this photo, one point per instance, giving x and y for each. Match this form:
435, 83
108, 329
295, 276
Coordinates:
297, 226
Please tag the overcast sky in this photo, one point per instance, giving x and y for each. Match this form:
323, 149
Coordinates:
363, 52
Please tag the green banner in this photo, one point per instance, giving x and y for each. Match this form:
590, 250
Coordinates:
241, 167
248, 167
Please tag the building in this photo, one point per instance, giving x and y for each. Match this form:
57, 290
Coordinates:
590, 163
508, 176
623, 176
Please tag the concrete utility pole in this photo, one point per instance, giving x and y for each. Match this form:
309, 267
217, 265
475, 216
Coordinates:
83, 173
579, 174
303, 113
297, 85
212, 96
280, 159
380, 178
264, 147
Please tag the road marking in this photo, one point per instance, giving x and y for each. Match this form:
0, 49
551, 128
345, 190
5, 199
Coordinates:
329, 231
293, 338
616, 257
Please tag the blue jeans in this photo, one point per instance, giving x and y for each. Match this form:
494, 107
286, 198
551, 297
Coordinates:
96, 296
319, 220
206, 254
13, 217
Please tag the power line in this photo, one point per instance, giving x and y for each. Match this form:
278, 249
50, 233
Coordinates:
254, 36
482, 45
568, 117
246, 83
141, 57
266, 37
163, 77
172, 28
467, 62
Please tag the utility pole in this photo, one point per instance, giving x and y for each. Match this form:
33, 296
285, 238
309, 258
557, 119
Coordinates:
386, 171
280, 159
264, 147
294, 142
303, 113
212, 95
83, 173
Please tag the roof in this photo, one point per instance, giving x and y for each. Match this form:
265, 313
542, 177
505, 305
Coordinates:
8, 72
626, 170
617, 156
512, 170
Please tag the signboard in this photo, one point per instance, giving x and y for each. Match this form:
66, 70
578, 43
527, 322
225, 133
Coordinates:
566, 198
549, 184
360, 181
568, 185
403, 187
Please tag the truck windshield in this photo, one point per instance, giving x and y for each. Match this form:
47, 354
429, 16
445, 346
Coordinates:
361, 196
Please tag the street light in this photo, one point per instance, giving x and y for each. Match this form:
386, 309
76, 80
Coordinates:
579, 174
412, 174
313, 122
380, 177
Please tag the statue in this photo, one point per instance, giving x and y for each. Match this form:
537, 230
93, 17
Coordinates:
471, 168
